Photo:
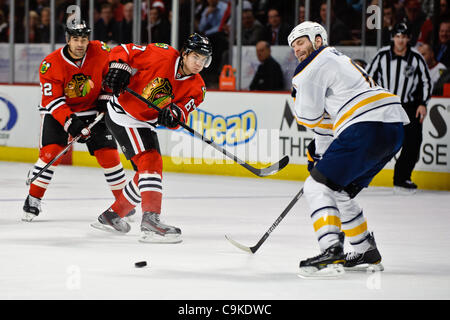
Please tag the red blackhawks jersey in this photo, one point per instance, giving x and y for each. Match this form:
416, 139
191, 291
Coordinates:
68, 87
155, 77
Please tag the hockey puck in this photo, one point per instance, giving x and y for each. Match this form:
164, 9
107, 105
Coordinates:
140, 264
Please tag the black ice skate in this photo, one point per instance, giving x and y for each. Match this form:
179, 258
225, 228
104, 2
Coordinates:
154, 231
131, 215
112, 222
367, 261
328, 264
405, 187
31, 208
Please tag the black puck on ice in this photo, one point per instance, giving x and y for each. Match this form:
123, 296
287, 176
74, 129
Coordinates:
140, 264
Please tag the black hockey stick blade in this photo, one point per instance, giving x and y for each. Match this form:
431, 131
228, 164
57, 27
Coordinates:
274, 168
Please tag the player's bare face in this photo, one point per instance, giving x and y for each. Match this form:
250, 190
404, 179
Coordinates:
78, 46
193, 63
302, 48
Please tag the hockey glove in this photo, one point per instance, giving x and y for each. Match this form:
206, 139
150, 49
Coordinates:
170, 116
102, 102
75, 126
311, 155
118, 76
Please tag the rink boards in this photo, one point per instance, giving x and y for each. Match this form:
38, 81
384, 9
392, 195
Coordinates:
257, 127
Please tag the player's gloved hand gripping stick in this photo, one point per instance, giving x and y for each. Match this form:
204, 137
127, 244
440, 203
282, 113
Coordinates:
274, 168
75, 139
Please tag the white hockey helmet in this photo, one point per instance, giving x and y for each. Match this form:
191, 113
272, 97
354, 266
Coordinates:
309, 29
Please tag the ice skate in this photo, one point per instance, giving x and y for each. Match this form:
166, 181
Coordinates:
328, 264
154, 231
368, 261
130, 217
111, 222
31, 208
405, 188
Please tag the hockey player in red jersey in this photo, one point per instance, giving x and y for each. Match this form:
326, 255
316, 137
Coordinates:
170, 80
71, 84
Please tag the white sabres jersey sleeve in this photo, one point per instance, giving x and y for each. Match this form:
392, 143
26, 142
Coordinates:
330, 83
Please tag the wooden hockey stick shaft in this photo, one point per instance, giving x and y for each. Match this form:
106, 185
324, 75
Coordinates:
269, 231
37, 175
274, 168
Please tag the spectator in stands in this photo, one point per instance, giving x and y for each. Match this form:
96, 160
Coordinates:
301, 14
211, 17
252, 29
44, 27
160, 26
125, 27
60, 32
117, 9
199, 7
437, 69
389, 21
339, 32
276, 31
33, 27
388, 24
269, 76
442, 49
3, 27
426, 32
106, 27
414, 18
39, 5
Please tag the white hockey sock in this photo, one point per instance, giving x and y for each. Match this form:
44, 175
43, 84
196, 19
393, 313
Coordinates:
325, 214
131, 193
44, 179
115, 177
354, 223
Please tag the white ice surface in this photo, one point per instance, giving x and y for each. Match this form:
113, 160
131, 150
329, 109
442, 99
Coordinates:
59, 256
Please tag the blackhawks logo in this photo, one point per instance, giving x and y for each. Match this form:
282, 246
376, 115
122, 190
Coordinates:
162, 45
44, 67
159, 92
79, 86
105, 46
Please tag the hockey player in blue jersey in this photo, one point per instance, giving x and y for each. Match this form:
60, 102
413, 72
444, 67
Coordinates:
358, 128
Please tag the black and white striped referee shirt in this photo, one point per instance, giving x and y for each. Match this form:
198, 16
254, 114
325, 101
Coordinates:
407, 76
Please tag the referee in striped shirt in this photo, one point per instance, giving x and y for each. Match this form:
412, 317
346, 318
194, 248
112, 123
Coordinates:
403, 71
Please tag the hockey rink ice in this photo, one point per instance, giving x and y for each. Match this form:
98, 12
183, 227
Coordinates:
59, 256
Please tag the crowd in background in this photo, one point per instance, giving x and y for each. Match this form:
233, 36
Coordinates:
262, 20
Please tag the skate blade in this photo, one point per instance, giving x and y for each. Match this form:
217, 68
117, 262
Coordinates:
404, 191
152, 237
332, 271
28, 217
102, 227
366, 267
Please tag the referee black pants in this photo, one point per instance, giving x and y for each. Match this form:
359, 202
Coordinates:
411, 146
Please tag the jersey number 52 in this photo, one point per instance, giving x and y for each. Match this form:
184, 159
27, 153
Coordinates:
46, 89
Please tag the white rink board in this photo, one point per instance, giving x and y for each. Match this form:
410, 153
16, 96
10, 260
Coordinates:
255, 126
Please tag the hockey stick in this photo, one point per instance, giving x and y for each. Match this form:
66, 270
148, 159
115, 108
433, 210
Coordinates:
274, 168
37, 175
272, 227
